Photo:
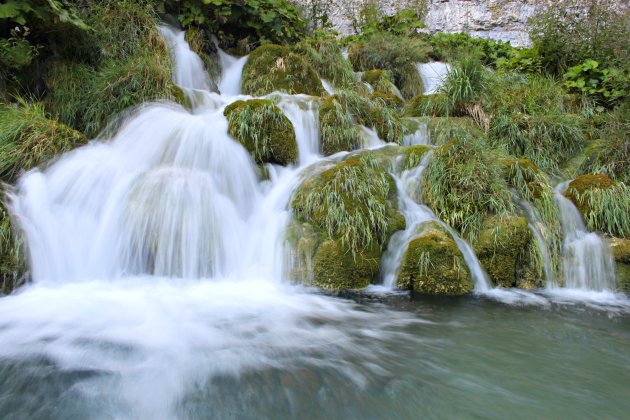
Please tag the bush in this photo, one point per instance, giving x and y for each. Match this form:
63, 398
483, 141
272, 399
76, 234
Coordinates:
464, 85
607, 86
29, 139
568, 32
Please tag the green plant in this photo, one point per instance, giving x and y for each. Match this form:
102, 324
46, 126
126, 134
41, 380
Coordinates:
464, 85
606, 85
29, 139
325, 56
464, 183
12, 264
606, 210
338, 131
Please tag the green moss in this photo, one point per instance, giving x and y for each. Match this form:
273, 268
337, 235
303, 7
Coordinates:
29, 139
381, 81
442, 129
263, 129
390, 100
621, 252
580, 185
433, 264
338, 132
272, 68
334, 266
503, 250
12, 263
326, 58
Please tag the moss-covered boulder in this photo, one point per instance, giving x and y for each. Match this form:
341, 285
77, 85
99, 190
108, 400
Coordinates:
381, 81
433, 264
272, 68
503, 249
263, 129
584, 183
621, 252
348, 213
29, 139
326, 58
388, 99
338, 131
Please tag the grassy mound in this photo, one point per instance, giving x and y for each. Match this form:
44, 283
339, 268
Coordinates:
29, 139
381, 81
325, 56
272, 68
433, 264
263, 129
464, 184
338, 131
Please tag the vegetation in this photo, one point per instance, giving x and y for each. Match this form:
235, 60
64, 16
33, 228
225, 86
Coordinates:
274, 68
263, 129
338, 131
464, 184
325, 56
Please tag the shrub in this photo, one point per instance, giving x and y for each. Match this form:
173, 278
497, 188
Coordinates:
607, 86
464, 85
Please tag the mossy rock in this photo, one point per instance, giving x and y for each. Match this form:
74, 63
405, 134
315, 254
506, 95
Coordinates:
432, 264
389, 99
412, 155
441, 129
351, 208
585, 183
271, 68
335, 267
263, 129
621, 252
325, 56
338, 132
519, 172
427, 106
503, 250
381, 81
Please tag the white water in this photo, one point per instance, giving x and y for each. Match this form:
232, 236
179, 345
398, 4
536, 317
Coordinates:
409, 185
232, 71
418, 137
188, 71
539, 230
433, 75
588, 263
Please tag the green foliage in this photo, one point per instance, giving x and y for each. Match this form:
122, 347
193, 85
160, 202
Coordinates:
427, 105
396, 54
606, 85
273, 68
350, 202
23, 12
258, 21
605, 210
464, 85
263, 129
546, 140
464, 184
338, 131
529, 94
568, 32
29, 139
16, 51
451, 47
381, 81
325, 56
524, 60
406, 22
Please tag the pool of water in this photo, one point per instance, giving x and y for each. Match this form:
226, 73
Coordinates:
154, 349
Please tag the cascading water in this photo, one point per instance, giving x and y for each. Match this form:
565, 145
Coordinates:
433, 75
230, 83
538, 229
408, 185
588, 263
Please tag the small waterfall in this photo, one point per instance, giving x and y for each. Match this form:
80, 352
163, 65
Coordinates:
433, 75
328, 87
302, 111
418, 137
188, 71
538, 229
588, 264
408, 184
232, 72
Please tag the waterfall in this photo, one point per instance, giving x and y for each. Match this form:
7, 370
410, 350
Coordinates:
418, 137
232, 71
188, 68
408, 184
433, 75
539, 230
588, 263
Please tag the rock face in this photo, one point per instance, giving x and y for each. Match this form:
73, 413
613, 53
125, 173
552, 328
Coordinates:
497, 19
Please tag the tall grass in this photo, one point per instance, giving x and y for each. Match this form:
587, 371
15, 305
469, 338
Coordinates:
337, 129
325, 56
606, 210
464, 85
349, 201
28, 138
464, 184
12, 265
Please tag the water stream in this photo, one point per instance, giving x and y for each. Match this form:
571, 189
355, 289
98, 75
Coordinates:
157, 260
